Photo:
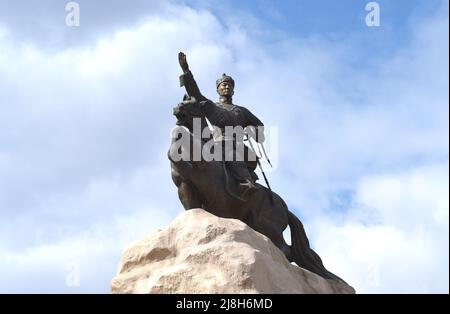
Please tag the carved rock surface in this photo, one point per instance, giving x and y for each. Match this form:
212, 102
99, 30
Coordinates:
202, 253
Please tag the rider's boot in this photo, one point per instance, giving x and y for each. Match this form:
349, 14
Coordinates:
247, 187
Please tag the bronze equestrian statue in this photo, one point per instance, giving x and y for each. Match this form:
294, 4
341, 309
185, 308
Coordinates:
229, 115
218, 186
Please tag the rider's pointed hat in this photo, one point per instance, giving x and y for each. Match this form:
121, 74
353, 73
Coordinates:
224, 78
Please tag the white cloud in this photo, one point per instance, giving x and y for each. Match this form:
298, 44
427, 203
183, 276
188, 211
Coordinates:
94, 254
83, 148
396, 238
424, 193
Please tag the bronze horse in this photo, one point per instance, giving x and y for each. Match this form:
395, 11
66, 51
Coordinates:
208, 185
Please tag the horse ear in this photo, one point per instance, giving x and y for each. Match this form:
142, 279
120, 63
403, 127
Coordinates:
185, 97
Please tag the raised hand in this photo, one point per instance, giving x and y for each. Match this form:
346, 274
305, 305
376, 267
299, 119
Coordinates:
183, 62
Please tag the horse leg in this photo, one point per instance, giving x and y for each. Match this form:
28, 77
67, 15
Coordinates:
278, 239
273, 229
189, 196
275, 221
275, 234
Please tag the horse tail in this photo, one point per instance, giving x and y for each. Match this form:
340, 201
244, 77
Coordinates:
302, 254
227, 184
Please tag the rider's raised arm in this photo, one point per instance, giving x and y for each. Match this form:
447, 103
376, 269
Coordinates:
187, 79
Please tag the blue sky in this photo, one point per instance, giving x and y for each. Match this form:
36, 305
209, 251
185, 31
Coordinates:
331, 19
361, 115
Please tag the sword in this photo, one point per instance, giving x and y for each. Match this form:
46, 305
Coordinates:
262, 171
265, 154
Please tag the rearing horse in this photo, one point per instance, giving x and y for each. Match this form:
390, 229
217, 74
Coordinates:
208, 185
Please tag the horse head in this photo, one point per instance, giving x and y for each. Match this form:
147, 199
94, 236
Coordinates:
186, 111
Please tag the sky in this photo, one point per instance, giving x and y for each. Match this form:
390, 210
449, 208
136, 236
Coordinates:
359, 117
